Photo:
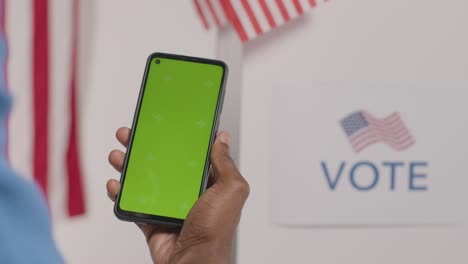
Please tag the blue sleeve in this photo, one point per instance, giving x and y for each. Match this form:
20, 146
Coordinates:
25, 229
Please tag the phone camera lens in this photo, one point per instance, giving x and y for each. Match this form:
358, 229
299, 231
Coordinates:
157, 61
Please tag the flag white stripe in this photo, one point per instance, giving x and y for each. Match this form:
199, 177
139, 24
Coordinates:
208, 16
60, 18
290, 9
275, 12
20, 53
219, 11
261, 18
244, 19
305, 5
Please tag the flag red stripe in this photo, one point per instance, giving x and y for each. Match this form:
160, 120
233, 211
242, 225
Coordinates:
41, 93
399, 147
201, 14
386, 130
298, 6
390, 136
268, 15
370, 136
394, 134
397, 126
75, 202
389, 126
392, 123
388, 122
252, 17
231, 14
395, 138
283, 10
360, 148
389, 129
372, 140
369, 141
394, 142
312, 3
213, 12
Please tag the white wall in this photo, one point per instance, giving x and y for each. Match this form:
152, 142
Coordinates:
124, 33
358, 41
343, 39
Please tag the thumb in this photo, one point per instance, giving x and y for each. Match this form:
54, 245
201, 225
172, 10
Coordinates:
220, 158
220, 148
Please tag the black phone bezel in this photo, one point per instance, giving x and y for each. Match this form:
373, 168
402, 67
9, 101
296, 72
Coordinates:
156, 219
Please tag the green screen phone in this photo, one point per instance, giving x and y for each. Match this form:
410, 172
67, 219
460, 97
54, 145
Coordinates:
167, 162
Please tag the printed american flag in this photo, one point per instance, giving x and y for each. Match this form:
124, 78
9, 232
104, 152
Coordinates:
363, 130
251, 18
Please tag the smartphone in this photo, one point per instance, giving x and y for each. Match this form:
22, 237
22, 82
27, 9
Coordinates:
167, 163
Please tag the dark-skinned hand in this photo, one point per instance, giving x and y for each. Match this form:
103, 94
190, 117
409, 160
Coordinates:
208, 231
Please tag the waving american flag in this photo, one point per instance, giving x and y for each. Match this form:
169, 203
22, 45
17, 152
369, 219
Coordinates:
251, 18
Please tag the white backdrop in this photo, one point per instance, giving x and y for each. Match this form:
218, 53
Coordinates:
347, 43
361, 40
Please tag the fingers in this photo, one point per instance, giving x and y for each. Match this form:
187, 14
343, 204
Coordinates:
224, 170
113, 187
216, 214
222, 164
123, 135
116, 159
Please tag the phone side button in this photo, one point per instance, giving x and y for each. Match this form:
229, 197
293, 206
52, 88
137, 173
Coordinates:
222, 101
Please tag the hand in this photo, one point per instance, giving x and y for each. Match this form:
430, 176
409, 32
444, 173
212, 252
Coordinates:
208, 232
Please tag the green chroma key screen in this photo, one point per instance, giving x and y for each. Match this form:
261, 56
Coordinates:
171, 139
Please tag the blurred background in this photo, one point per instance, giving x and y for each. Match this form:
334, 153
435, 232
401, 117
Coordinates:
296, 70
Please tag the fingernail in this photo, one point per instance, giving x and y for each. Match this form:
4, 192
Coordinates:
225, 138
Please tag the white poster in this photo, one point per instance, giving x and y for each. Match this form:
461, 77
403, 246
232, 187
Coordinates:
353, 153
